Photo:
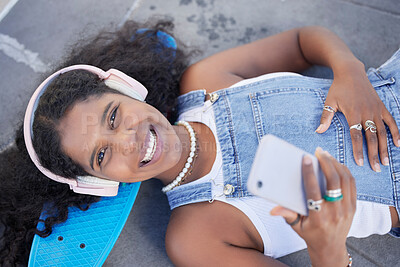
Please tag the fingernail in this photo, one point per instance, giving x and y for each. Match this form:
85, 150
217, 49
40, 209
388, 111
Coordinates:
307, 160
360, 162
319, 128
318, 150
377, 167
386, 161
398, 143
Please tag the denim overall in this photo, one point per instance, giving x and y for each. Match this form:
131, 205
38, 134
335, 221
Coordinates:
290, 108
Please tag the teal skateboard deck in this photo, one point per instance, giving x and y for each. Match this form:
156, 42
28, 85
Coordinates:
87, 237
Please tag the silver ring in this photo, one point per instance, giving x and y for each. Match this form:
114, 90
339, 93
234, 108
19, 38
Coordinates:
357, 126
371, 126
334, 193
330, 109
314, 204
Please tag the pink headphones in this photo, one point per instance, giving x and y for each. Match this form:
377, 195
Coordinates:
114, 79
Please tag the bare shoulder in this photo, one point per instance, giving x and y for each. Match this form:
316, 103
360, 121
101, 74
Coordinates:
214, 234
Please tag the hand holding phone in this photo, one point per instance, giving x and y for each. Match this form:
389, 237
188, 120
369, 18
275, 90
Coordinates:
281, 173
325, 230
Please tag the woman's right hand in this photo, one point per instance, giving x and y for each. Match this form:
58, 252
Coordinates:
325, 231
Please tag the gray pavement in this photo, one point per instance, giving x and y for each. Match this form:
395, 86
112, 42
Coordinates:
371, 28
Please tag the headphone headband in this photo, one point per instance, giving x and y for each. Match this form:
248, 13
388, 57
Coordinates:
84, 184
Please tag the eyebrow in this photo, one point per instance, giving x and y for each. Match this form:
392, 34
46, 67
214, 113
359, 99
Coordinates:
103, 119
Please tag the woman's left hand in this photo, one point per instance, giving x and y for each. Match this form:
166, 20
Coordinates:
352, 94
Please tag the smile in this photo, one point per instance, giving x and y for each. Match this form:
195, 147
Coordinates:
151, 148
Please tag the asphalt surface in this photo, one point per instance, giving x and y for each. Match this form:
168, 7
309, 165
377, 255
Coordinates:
34, 35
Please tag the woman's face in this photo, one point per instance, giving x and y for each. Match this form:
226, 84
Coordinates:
110, 135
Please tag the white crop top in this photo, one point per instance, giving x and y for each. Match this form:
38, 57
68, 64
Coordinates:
278, 237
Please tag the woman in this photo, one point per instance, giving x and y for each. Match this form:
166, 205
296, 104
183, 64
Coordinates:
93, 129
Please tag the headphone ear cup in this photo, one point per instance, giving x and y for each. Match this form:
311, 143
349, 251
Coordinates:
123, 89
95, 186
92, 180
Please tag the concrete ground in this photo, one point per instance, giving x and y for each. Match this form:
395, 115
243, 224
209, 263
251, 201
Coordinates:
34, 34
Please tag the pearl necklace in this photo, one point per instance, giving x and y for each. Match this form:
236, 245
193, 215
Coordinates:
187, 170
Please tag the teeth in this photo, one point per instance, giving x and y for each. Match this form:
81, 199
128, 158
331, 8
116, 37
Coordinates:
151, 149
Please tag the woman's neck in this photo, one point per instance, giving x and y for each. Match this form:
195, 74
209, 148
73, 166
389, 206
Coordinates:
206, 153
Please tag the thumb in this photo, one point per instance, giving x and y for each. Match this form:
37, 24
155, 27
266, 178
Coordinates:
326, 118
288, 215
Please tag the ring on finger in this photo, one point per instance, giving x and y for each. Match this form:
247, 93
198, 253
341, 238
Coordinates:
371, 126
295, 221
357, 126
330, 109
334, 193
314, 204
333, 199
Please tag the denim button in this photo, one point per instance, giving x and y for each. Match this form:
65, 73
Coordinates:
214, 97
229, 189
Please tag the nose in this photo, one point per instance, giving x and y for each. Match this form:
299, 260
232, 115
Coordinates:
124, 142
124, 139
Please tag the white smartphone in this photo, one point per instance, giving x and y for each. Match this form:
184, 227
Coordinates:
276, 174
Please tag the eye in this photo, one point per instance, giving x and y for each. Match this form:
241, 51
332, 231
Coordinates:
100, 156
113, 116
